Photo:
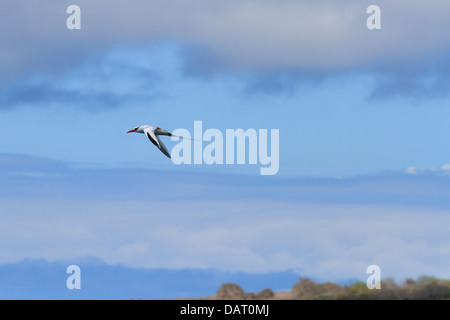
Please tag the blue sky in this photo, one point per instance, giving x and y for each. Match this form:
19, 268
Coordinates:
342, 132
362, 116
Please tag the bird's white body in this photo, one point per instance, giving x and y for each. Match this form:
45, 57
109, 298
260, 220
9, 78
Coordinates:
153, 134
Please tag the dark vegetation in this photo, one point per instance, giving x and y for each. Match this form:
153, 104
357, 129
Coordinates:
424, 288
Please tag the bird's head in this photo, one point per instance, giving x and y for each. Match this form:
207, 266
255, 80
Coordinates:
137, 129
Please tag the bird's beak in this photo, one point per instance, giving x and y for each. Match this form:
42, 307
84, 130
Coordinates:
132, 130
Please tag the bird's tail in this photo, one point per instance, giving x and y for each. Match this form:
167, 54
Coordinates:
173, 135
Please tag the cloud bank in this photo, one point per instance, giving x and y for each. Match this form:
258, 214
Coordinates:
329, 229
288, 39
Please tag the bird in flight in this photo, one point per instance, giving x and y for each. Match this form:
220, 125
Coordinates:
153, 134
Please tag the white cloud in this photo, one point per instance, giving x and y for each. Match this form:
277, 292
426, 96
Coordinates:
323, 241
445, 169
414, 170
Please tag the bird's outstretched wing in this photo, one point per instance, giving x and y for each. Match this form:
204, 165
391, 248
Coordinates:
162, 132
150, 133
